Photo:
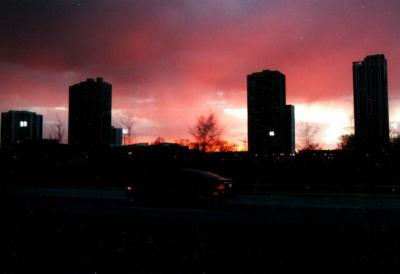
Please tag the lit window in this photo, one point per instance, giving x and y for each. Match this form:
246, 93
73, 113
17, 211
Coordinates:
271, 133
23, 124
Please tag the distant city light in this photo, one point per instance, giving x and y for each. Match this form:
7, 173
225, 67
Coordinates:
124, 131
271, 133
23, 124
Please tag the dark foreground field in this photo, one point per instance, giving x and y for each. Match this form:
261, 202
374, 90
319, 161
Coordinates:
76, 245
331, 212
50, 240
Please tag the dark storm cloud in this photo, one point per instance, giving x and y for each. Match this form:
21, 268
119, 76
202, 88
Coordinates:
128, 36
63, 34
212, 43
131, 40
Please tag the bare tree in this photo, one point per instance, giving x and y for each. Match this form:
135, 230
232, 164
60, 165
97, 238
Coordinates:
347, 141
350, 129
394, 132
206, 132
394, 135
225, 146
57, 131
127, 121
183, 142
244, 141
187, 143
307, 134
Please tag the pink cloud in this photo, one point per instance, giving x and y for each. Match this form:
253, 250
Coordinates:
182, 53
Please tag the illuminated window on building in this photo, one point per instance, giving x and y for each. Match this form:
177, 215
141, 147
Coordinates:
23, 123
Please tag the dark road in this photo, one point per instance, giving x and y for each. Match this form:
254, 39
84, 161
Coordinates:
269, 208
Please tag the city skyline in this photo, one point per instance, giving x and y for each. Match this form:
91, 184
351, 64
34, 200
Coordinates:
185, 58
271, 122
84, 95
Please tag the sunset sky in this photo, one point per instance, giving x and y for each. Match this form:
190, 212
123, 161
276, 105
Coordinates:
171, 61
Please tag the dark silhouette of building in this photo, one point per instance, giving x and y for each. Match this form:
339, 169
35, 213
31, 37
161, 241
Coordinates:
289, 144
371, 114
270, 120
20, 127
116, 136
90, 113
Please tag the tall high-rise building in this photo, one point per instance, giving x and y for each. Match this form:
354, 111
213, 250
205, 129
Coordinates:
270, 120
90, 113
371, 114
288, 141
116, 136
20, 127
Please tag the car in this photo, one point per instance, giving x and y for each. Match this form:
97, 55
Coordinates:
179, 187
